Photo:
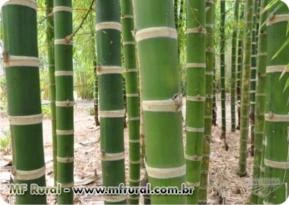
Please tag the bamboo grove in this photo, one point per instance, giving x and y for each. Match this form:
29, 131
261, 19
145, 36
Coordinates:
170, 78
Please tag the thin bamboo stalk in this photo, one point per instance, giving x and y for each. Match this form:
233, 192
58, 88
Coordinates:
240, 61
51, 68
132, 96
210, 70
223, 66
234, 67
64, 98
245, 98
255, 33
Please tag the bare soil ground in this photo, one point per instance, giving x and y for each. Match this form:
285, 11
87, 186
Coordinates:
225, 186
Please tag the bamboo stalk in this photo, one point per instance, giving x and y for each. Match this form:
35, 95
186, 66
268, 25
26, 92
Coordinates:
245, 98
223, 66
234, 67
195, 90
64, 98
210, 71
240, 61
161, 98
132, 96
21, 64
277, 107
260, 105
51, 68
255, 32
111, 100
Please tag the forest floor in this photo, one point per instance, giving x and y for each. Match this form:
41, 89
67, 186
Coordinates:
225, 186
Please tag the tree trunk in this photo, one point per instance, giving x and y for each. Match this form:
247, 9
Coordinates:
234, 67
132, 96
64, 97
51, 66
210, 71
223, 66
277, 107
161, 98
245, 98
195, 90
23, 92
111, 101
260, 105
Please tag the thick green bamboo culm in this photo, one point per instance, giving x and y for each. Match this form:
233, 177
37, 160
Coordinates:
260, 105
51, 67
240, 61
245, 98
210, 71
234, 66
64, 97
161, 96
277, 107
223, 66
111, 101
195, 90
132, 96
23, 92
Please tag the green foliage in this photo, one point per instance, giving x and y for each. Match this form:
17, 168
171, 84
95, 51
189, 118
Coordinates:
5, 141
83, 55
3, 93
46, 111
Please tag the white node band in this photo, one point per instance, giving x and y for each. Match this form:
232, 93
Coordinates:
30, 175
277, 19
194, 129
272, 117
112, 114
66, 103
22, 61
26, 119
156, 32
169, 105
194, 158
195, 65
28, 3
62, 8
276, 164
65, 159
109, 25
112, 156
192, 184
66, 185
197, 30
196, 98
132, 95
63, 41
166, 173
104, 70
277, 69
64, 132
63, 73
